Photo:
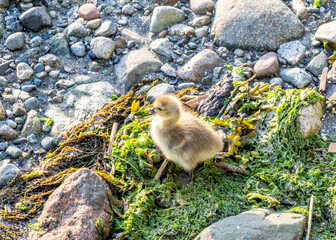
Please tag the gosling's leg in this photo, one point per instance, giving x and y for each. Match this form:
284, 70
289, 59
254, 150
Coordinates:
184, 178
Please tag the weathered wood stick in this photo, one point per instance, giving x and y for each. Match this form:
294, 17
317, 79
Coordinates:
112, 136
323, 80
195, 102
230, 168
161, 169
311, 206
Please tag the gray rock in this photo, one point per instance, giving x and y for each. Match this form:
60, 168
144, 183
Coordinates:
3, 146
5, 66
54, 74
14, 152
19, 110
11, 123
24, 71
36, 19
102, 47
4, 3
296, 76
199, 66
310, 118
327, 33
267, 65
47, 143
50, 60
163, 47
276, 81
7, 172
59, 44
83, 79
181, 30
32, 139
201, 21
7, 133
239, 52
32, 125
3, 82
266, 19
94, 24
35, 41
201, 6
106, 29
77, 30
128, 9
257, 224
317, 64
2, 112
292, 51
159, 90
165, 16
168, 70
31, 103
130, 35
185, 85
15, 41
64, 83
300, 9
79, 103
133, 66
78, 49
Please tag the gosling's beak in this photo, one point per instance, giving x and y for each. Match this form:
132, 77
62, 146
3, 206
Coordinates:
151, 110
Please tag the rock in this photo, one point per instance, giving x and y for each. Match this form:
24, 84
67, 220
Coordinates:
235, 20
32, 125
36, 18
159, 90
134, 65
296, 76
106, 29
47, 143
35, 41
7, 133
327, 33
4, 67
276, 81
14, 152
165, 16
50, 60
130, 35
200, 32
201, 21
4, 3
181, 30
267, 65
31, 103
163, 47
169, 2
3, 82
94, 24
317, 64
128, 10
88, 11
310, 118
168, 70
120, 42
24, 71
59, 44
7, 172
19, 110
185, 85
257, 224
74, 207
201, 6
15, 41
83, 79
292, 51
102, 47
300, 9
78, 49
77, 30
2, 112
64, 84
80, 102
199, 66
11, 123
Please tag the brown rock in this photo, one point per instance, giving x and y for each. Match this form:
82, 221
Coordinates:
72, 209
88, 11
120, 42
199, 66
300, 9
169, 2
7, 133
2, 112
19, 110
310, 118
267, 65
50, 60
201, 6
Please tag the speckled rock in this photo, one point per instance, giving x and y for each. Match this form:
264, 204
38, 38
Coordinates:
292, 51
14, 152
77, 30
181, 30
15, 41
202, 6
310, 118
7, 133
163, 47
201, 21
50, 60
19, 110
317, 64
36, 18
268, 20
24, 71
296, 76
199, 66
134, 65
159, 90
88, 11
60, 44
267, 65
165, 16
2, 112
327, 33
32, 125
102, 47
106, 29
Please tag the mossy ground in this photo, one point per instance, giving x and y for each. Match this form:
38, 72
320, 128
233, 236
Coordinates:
283, 171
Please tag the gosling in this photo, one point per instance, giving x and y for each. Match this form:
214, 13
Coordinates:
181, 136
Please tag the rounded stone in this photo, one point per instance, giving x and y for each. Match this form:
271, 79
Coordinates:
159, 90
88, 11
24, 71
102, 47
47, 143
14, 152
78, 49
276, 81
15, 41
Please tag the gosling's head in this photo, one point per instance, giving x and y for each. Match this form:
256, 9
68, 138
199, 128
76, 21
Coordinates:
168, 107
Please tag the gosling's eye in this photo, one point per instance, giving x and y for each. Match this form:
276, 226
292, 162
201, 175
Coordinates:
160, 109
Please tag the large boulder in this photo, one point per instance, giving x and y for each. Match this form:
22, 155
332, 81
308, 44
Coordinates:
258, 224
255, 24
36, 19
74, 207
133, 66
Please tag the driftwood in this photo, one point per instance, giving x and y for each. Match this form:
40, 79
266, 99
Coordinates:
323, 80
194, 103
230, 168
112, 136
311, 206
161, 169
332, 147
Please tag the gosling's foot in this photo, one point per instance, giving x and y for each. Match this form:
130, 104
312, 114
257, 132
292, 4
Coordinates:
184, 178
